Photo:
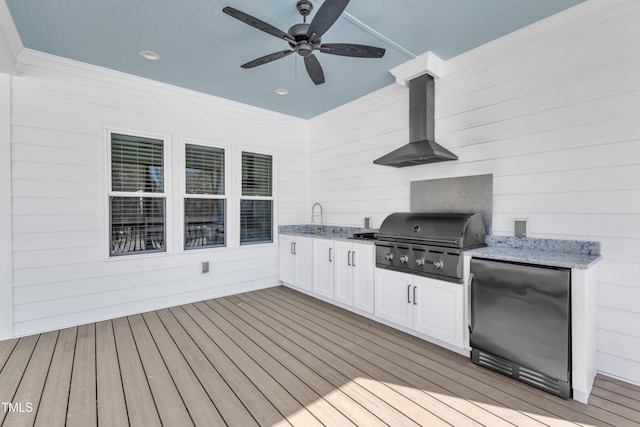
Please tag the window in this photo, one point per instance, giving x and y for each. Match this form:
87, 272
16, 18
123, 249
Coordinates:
204, 202
256, 201
137, 196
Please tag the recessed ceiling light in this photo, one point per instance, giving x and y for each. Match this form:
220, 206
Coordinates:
282, 91
150, 55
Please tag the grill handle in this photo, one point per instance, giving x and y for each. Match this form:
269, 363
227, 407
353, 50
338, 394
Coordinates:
404, 239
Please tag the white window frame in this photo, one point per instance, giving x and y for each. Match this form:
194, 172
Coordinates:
240, 197
228, 193
166, 194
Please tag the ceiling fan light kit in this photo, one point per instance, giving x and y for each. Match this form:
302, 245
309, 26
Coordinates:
305, 38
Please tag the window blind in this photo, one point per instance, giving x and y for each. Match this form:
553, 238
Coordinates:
136, 164
204, 215
255, 221
137, 222
256, 202
204, 170
256, 174
204, 223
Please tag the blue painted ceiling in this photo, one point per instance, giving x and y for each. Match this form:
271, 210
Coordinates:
202, 48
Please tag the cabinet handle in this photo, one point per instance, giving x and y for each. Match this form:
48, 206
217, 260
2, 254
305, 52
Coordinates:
349, 258
353, 258
414, 296
295, 248
409, 294
330, 249
292, 248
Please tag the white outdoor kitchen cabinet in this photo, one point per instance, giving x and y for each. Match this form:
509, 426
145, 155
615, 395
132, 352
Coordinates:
354, 266
323, 267
296, 261
431, 307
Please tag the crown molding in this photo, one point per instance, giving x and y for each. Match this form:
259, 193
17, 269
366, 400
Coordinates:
10, 42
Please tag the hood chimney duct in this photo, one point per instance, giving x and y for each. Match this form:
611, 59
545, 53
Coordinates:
422, 148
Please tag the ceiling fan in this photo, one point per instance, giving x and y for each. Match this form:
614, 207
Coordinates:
304, 38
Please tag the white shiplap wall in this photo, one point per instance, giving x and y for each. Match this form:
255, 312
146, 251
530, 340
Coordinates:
6, 273
553, 112
60, 112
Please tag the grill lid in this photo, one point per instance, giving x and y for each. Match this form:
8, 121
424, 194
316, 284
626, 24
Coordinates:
450, 230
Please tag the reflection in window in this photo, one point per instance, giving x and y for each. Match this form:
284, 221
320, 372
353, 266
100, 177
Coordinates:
204, 203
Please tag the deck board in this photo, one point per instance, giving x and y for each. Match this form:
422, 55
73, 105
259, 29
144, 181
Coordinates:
33, 379
81, 410
279, 396
141, 408
273, 357
197, 402
232, 411
263, 411
110, 394
169, 403
314, 358
52, 411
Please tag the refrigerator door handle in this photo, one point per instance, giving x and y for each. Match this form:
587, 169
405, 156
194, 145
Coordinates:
471, 316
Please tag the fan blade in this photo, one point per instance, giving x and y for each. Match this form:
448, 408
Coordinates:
256, 23
267, 58
314, 69
326, 16
354, 50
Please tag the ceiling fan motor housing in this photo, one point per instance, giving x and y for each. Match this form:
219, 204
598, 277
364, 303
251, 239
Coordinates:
302, 45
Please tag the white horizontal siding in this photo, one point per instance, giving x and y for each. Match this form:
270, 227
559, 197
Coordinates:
61, 275
552, 111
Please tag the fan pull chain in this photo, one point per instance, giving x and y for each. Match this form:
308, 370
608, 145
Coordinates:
295, 67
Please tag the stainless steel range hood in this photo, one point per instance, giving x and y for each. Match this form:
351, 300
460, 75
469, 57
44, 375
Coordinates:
421, 148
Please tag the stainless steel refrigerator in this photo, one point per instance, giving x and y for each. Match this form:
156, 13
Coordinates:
521, 322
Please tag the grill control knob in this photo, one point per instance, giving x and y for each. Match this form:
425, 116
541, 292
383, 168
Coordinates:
420, 261
404, 258
438, 264
388, 256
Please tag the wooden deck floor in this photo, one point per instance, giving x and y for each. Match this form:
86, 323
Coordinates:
272, 357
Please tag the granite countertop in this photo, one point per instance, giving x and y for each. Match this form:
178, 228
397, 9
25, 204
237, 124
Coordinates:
551, 252
330, 232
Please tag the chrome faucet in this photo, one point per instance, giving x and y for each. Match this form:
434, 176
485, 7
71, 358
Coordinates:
313, 214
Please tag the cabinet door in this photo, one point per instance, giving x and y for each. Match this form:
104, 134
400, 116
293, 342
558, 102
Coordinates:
323, 260
362, 260
439, 310
393, 293
287, 261
343, 273
304, 263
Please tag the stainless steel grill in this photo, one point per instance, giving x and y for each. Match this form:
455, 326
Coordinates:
428, 244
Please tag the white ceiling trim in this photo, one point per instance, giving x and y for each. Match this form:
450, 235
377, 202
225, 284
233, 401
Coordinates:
10, 42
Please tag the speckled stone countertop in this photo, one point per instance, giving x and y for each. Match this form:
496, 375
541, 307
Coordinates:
331, 232
551, 252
